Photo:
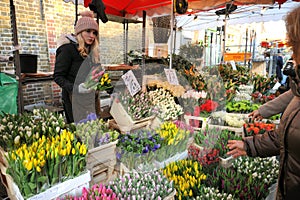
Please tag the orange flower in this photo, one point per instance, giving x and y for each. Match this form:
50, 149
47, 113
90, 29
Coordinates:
256, 130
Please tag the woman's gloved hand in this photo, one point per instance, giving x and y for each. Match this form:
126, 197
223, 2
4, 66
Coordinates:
82, 89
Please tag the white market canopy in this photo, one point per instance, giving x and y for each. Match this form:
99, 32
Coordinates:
244, 14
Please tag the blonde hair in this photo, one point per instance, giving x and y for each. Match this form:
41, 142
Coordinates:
84, 51
292, 21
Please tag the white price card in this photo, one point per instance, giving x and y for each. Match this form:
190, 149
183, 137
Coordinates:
233, 65
171, 76
131, 83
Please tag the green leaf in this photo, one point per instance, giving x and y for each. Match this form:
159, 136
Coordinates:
42, 179
32, 186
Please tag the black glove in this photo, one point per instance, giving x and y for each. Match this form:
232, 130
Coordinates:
98, 7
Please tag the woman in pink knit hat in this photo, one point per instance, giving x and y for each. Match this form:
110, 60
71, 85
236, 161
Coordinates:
75, 56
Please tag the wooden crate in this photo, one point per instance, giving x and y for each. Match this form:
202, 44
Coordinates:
124, 121
237, 131
102, 154
102, 174
101, 162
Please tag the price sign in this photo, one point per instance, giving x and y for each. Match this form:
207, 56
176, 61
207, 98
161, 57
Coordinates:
233, 65
131, 83
171, 76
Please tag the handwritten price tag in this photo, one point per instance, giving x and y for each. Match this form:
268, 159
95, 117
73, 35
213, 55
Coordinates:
233, 65
131, 83
171, 76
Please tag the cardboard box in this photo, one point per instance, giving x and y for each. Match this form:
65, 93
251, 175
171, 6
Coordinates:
70, 187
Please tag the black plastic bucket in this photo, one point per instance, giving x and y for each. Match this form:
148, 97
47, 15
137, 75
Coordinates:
28, 63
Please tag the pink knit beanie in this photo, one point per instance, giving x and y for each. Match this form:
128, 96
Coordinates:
86, 22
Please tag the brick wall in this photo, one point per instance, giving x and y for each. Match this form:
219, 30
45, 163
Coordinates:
39, 24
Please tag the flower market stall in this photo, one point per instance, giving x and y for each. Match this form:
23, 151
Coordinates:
152, 141
169, 140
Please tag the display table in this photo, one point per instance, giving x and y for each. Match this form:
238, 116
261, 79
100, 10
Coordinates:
36, 77
120, 67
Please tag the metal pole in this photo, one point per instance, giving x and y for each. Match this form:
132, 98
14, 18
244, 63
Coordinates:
171, 42
224, 39
144, 43
76, 12
246, 47
210, 49
16, 56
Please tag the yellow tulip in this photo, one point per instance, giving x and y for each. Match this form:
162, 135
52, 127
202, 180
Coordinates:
29, 166
38, 169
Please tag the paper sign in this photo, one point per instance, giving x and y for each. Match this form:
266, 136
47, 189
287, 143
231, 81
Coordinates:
233, 65
171, 76
131, 83
276, 86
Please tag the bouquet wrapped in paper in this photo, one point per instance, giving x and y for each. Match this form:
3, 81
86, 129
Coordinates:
94, 77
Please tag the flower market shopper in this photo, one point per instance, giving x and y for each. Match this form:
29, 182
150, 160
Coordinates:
74, 58
285, 141
273, 107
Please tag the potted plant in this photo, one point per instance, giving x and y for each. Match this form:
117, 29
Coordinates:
137, 149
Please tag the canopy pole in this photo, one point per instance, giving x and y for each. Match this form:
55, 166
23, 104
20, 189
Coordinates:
16, 56
76, 12
224, 39
144, 43
246, 47
171, 42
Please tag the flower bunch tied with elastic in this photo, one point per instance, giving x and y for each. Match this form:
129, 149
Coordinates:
94, 77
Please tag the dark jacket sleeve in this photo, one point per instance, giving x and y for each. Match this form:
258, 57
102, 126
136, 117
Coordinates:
63, 65
277, 105
263, 145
